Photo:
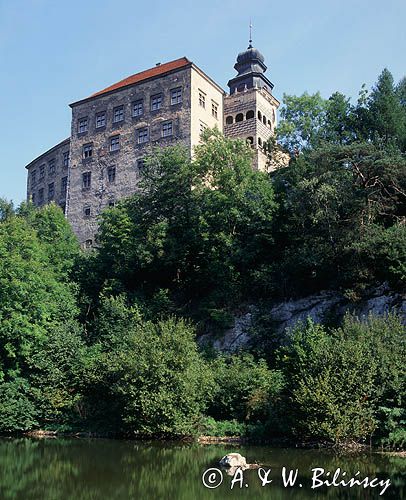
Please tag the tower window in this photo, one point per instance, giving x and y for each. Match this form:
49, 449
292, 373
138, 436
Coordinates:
202, 99
142, 135
264, 120
111, 203
88, 243
41, 172
111, 174
87, 151
176, 96
86, 180
118, 114
101, 119
203, 127
259, 141
269, 124
250, 140
259, 115
239, 117
167, 129
87, 211
140, 164
229, 120
156, 102
115, 143
83, 125
250, 114
33, 177
41, 195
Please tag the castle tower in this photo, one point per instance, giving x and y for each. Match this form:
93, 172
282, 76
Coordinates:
250, 109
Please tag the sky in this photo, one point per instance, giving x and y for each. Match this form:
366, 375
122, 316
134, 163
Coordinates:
56, 52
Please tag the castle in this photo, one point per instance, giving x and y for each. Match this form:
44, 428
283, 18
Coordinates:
113, 129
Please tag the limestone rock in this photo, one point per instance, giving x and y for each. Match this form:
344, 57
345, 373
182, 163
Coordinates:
233, 460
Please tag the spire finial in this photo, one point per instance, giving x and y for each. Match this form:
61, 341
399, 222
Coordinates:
250, 40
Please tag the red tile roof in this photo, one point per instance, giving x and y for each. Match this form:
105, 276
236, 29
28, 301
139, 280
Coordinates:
144, 75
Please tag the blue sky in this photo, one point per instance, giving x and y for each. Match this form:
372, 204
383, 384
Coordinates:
53, 53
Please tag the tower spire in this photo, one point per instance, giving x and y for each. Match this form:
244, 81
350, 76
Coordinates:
250, 40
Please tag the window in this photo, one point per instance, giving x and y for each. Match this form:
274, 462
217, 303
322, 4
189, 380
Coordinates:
66, 159
176, 96
229, 120
250, 114
33, 198
203, 127
101, 119
111, 173
111, 203
239, 117
156, 102
51, 191
86, 180
138, 107
33, 177
64, 186
88, 243
167, 129
264, 120
259, 115
83, 125
140, 164
41, 172
142, 135
87, 151
87, 211
118, 114
41, 195
214, 109
115, 143
202, 99
259, 142
51, 167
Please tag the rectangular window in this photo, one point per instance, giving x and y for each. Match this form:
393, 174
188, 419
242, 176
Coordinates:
87, 211
41, 195
142, 135
87, 151
33, 177
176, 96
167, 129
202, 99
86, 180
33, 198
140, 164
111, 203
83, 125
203, 127
214, 109
51, 191
51, 167
64, 186
41, 172
138, 107
101, 119
156, 102
66, 159
115, 143
118, 114
111, 173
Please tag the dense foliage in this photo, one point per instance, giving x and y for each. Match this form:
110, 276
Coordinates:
107, 340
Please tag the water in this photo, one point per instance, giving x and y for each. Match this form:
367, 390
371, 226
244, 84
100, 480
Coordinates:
84, 469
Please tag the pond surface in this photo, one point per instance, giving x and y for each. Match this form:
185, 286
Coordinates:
83, 469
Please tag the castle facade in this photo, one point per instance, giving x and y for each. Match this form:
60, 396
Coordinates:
113, 130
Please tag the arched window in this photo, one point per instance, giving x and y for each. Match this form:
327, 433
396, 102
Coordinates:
250, 114
250, 140
229, 120
259, 142
239, 117
259, 115
264, 120
269, 124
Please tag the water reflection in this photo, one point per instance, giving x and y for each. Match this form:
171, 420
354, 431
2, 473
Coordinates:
60, 469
